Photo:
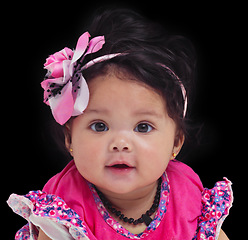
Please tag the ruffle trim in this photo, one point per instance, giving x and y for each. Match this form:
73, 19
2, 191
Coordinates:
48, 212
216, 203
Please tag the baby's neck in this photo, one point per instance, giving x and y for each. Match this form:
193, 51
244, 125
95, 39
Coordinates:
132, 205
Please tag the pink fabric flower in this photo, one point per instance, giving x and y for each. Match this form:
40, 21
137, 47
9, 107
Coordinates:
65, 89
54, 63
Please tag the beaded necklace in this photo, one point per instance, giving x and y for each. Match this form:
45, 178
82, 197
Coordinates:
145, 218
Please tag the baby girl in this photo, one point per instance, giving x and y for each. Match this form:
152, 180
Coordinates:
121, 98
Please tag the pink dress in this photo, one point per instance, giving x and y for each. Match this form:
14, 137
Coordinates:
68, 207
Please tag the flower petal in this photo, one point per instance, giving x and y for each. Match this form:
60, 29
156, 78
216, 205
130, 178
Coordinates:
56, 69
59, 56
62, 104
49, 60
81, 46
46, 85
66, 72
68, 53
95, 44
82, 98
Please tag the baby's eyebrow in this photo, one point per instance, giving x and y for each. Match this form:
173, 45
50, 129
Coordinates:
149, 113
88, 110
106, 111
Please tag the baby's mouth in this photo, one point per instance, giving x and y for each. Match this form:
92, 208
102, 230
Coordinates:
120, 166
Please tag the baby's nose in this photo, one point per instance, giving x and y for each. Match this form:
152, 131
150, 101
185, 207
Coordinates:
120, 144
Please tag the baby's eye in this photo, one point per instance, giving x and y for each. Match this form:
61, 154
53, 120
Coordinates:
143, 128
99, 127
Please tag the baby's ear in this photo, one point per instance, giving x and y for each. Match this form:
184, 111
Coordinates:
179, 141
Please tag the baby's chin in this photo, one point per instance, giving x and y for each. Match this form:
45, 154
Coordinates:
126, 190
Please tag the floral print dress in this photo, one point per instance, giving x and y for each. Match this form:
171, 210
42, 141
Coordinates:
70, 208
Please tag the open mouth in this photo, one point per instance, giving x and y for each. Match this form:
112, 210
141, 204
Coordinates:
120, 166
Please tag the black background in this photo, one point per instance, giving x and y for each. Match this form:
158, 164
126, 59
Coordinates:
31, 32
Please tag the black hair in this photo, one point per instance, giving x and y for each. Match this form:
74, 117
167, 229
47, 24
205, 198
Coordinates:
148, 47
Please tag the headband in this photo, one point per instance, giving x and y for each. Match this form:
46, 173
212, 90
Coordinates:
65, 88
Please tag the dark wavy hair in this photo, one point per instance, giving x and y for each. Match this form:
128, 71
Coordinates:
148, 46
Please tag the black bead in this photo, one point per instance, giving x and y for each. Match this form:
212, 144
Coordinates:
113, 210
135, 222
118, 213
125, 219
153, 209
149, 212
130, 220
156, 202
108, 205
157, 197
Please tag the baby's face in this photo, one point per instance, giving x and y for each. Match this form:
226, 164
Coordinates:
125, 138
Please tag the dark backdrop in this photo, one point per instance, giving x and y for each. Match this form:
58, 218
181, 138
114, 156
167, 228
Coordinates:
31, 33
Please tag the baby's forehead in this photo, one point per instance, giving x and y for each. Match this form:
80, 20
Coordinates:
109, 92
115, 78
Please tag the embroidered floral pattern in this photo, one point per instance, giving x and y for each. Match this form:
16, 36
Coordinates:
216, 203
164, 200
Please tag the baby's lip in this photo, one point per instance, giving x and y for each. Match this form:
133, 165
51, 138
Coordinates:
120, 164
